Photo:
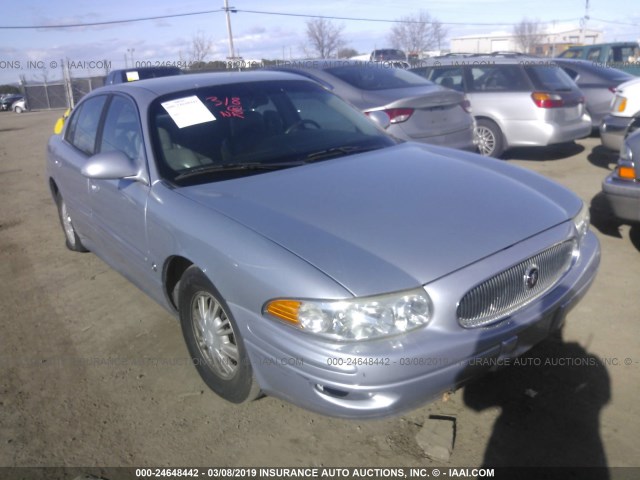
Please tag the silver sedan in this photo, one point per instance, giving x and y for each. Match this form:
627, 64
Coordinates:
418, 110
307, 254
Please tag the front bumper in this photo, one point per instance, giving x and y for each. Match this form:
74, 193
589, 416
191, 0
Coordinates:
623, 196
384, 377
613, 129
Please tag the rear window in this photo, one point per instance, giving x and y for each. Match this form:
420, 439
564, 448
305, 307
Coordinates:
388, 54
377, 77
549, 77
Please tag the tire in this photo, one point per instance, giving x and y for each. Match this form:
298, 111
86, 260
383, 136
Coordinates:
219, 356
635, 125
18, 110
72, 240
489, 138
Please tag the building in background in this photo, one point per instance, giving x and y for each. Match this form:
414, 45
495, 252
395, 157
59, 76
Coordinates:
555, 39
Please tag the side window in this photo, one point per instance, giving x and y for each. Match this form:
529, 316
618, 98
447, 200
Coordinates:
83, 128
71, 125
448, 77
498, 78
594, 54
122, 130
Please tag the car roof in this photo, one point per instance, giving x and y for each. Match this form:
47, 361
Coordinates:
596, 69
486, 59
165, 85
325, 63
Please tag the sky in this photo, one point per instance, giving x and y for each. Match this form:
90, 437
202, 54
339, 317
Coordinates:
37, 53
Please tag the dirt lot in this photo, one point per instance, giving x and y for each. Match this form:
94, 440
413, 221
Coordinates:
93, 373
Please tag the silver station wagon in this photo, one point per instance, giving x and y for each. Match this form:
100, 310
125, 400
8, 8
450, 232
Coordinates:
517, 101
307, 254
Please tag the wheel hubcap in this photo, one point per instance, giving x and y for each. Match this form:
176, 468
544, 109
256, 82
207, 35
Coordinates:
67, 225
214, 335
486, 140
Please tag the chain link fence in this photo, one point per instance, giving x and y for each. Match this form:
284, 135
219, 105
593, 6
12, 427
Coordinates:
59, 95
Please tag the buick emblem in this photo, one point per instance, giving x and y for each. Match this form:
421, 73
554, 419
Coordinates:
531, 276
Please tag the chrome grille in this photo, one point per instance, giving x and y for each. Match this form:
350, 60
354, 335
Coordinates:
515, 287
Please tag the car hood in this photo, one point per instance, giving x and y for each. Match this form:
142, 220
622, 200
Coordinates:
629, 84
394, 218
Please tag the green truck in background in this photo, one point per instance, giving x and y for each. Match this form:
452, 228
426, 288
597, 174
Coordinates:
624, 56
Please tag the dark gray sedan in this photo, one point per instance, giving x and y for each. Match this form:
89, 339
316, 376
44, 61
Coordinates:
598, 84
418, 109
308, 254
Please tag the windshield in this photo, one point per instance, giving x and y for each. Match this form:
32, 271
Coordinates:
237, 129
377, 77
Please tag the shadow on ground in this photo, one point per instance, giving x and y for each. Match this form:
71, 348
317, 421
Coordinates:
605, 222
603, 157
550, 406
552, 152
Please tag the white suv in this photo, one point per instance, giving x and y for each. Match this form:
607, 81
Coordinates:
624, 117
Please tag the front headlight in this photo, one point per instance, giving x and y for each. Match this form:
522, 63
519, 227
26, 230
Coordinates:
356, 319
581, 221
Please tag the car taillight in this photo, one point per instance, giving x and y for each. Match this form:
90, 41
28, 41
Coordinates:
466, 105
399, 115
547, 100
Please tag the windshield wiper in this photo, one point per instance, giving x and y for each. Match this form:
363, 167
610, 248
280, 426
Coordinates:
337, 152
233, 167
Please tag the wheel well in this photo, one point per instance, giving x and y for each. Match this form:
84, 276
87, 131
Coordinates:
53, 187
480, 117
173, 271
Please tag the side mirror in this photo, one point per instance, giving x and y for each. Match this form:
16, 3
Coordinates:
379, 118
113, 165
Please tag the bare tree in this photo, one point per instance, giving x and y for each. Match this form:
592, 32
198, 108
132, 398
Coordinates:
325, 37
417, 33
528, 34
200, 48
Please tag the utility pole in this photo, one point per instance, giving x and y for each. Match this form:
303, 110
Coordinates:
227, 9
583, 21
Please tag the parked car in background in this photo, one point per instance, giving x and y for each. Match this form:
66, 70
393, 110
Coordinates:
517, 100
134, 74
622, 186
19, 106
308, 254
621, 55
387, 54
624, 116
418, 110
597, 82
7, 101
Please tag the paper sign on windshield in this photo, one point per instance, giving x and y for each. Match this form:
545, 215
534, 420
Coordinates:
188, 111
132, 76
